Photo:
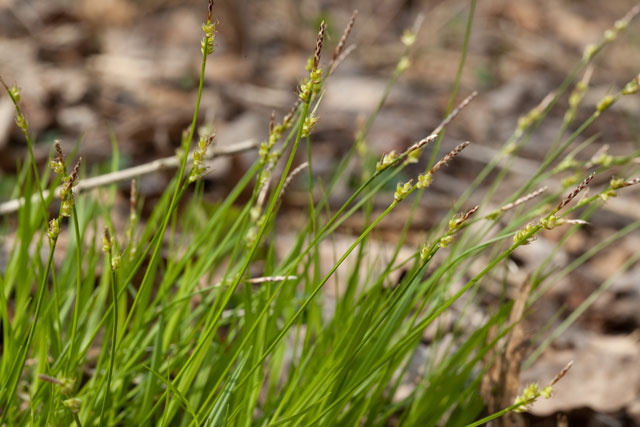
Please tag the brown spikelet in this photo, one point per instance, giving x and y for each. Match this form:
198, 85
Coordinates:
292, 111
107, 234
564, 202
631, 14
452, 115
576, 222
466, 216
432, 137
59, 155
319, 42
292, 175
73, 178
443, 161
631, 182
345, 35
562, 373
523, 199
210, 11
424, 141
470, 213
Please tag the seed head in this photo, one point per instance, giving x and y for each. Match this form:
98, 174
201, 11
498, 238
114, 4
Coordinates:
345, 35
564, 202
319, 42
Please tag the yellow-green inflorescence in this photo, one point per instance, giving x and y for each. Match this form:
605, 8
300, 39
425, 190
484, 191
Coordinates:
402, 191
529, 395
66, 194
206, 45
58, 165
311, 85
54, 229
387, 160
632, 87
576, 96
199, 156
424, 180
108, 247
73, 404
524, 236
309, 122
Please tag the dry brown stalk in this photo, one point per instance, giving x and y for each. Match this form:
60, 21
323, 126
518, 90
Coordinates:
502, 382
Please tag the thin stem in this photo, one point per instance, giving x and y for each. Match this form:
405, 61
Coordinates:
76, 308
114, 337
25, 351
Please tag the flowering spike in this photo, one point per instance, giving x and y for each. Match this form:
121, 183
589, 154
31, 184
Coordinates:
402, 190
453, 153
345, 35
564, 202
386, 161
319, 42
54, 229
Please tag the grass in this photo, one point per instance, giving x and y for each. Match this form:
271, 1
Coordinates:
194, 317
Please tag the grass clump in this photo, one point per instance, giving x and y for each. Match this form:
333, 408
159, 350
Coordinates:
194, 318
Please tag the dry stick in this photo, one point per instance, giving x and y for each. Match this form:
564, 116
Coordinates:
269, 279
130, 173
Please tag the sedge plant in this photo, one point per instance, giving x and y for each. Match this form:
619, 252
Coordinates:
195, 316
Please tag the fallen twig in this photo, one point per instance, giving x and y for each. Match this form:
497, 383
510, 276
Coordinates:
11, 206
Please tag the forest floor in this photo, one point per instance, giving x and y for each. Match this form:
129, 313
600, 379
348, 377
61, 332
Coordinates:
90, 70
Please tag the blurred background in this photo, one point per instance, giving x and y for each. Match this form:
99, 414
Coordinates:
92, 71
